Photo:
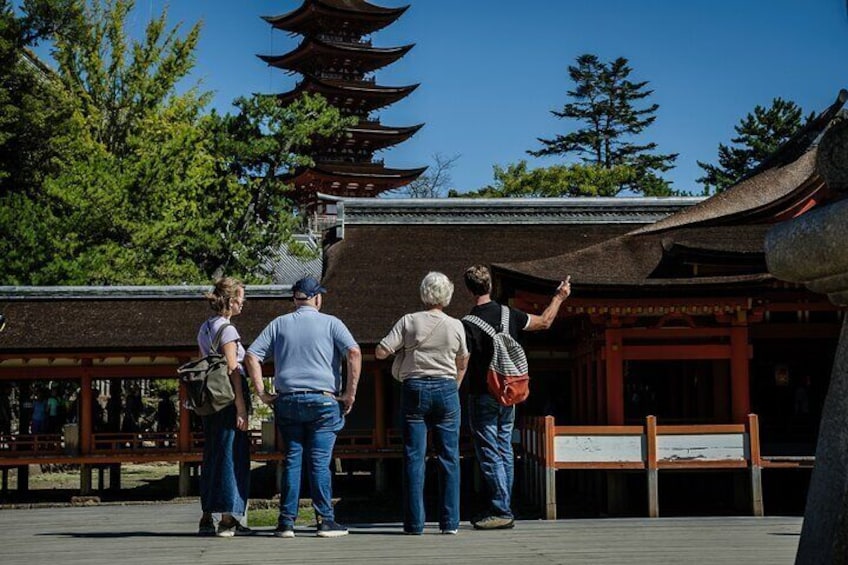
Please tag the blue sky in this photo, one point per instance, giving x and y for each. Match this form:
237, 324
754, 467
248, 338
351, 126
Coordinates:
491, 70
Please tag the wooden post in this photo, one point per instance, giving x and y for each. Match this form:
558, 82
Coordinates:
550, 469
85, 479
653, 474
740, 395
23, 479
614, 377
379, 408
756, 465
184, 486
86, 401
599, 377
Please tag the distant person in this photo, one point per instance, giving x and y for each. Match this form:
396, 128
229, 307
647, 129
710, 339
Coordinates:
225, 471
435, 356
492, 423
166, 414
5, 411
113, 408
307, 348
39, 412
132, 411
53, 407
26, 409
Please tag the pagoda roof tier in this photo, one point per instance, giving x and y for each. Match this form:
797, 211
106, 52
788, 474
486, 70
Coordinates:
352, 96
352, 16
372, 136
351, 179
315, 54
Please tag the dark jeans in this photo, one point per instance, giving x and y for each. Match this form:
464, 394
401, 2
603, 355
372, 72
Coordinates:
307, 422
225, 472
430, 403
491, 427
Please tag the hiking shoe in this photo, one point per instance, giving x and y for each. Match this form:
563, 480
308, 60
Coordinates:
206, 528
494, 523
284, 531
449, 532
330, 529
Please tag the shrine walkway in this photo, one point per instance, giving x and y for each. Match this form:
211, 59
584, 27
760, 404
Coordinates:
164, 533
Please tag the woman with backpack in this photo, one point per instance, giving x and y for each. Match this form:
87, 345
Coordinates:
225, 471
431, 357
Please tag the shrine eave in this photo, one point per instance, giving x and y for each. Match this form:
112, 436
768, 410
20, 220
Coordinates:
312, 49
369, 96
367, 17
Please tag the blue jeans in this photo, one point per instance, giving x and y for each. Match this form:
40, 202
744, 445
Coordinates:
225, 471
491, 427
430, 403
307, 423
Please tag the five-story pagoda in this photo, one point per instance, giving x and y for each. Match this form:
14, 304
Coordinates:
338, 61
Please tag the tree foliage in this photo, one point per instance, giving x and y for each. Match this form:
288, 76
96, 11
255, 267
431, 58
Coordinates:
605, 101
518, 180
758, 135
435, 182
140, 185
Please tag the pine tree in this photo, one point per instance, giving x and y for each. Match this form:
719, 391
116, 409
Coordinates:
758, 135
605, 100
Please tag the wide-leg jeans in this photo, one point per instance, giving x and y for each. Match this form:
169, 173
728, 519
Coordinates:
308, 425
430, 403
491, 428
225, 471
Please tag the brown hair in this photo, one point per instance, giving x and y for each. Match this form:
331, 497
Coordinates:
226, 289
478, 280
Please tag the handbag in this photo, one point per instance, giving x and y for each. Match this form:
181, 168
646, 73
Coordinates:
400, 355
207, 380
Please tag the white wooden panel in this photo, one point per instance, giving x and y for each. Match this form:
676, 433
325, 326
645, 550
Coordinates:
702, 447
599, 449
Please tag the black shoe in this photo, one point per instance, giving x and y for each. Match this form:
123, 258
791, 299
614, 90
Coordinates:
244, 530
330, 529
284, 531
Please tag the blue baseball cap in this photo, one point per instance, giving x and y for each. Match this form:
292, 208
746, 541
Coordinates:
306, 288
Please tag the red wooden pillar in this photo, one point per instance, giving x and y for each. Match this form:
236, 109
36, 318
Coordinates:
86, 425
599, 378
740, 389
614, 377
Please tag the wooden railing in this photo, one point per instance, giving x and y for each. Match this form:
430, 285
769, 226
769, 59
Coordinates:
652, 448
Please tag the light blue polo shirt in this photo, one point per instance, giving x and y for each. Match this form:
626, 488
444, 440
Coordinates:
307, 347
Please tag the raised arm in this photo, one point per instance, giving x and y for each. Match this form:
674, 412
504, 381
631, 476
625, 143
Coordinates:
547, 317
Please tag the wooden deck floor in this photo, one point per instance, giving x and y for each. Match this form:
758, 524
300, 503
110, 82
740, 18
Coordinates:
164, 533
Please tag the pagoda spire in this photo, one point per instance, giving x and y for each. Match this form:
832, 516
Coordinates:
336, 59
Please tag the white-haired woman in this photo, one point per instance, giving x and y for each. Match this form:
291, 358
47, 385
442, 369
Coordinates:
434, 360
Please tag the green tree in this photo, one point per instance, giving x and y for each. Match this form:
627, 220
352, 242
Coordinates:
758, 135
148, 188
517, 180
605, 100
36, 116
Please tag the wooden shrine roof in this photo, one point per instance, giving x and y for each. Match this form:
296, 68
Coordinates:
122, 319
717, 242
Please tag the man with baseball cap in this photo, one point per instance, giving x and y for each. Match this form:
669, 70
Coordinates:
307, 347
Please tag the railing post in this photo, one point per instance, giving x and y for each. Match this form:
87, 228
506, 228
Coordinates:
550, 469
755, 463
651, 466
